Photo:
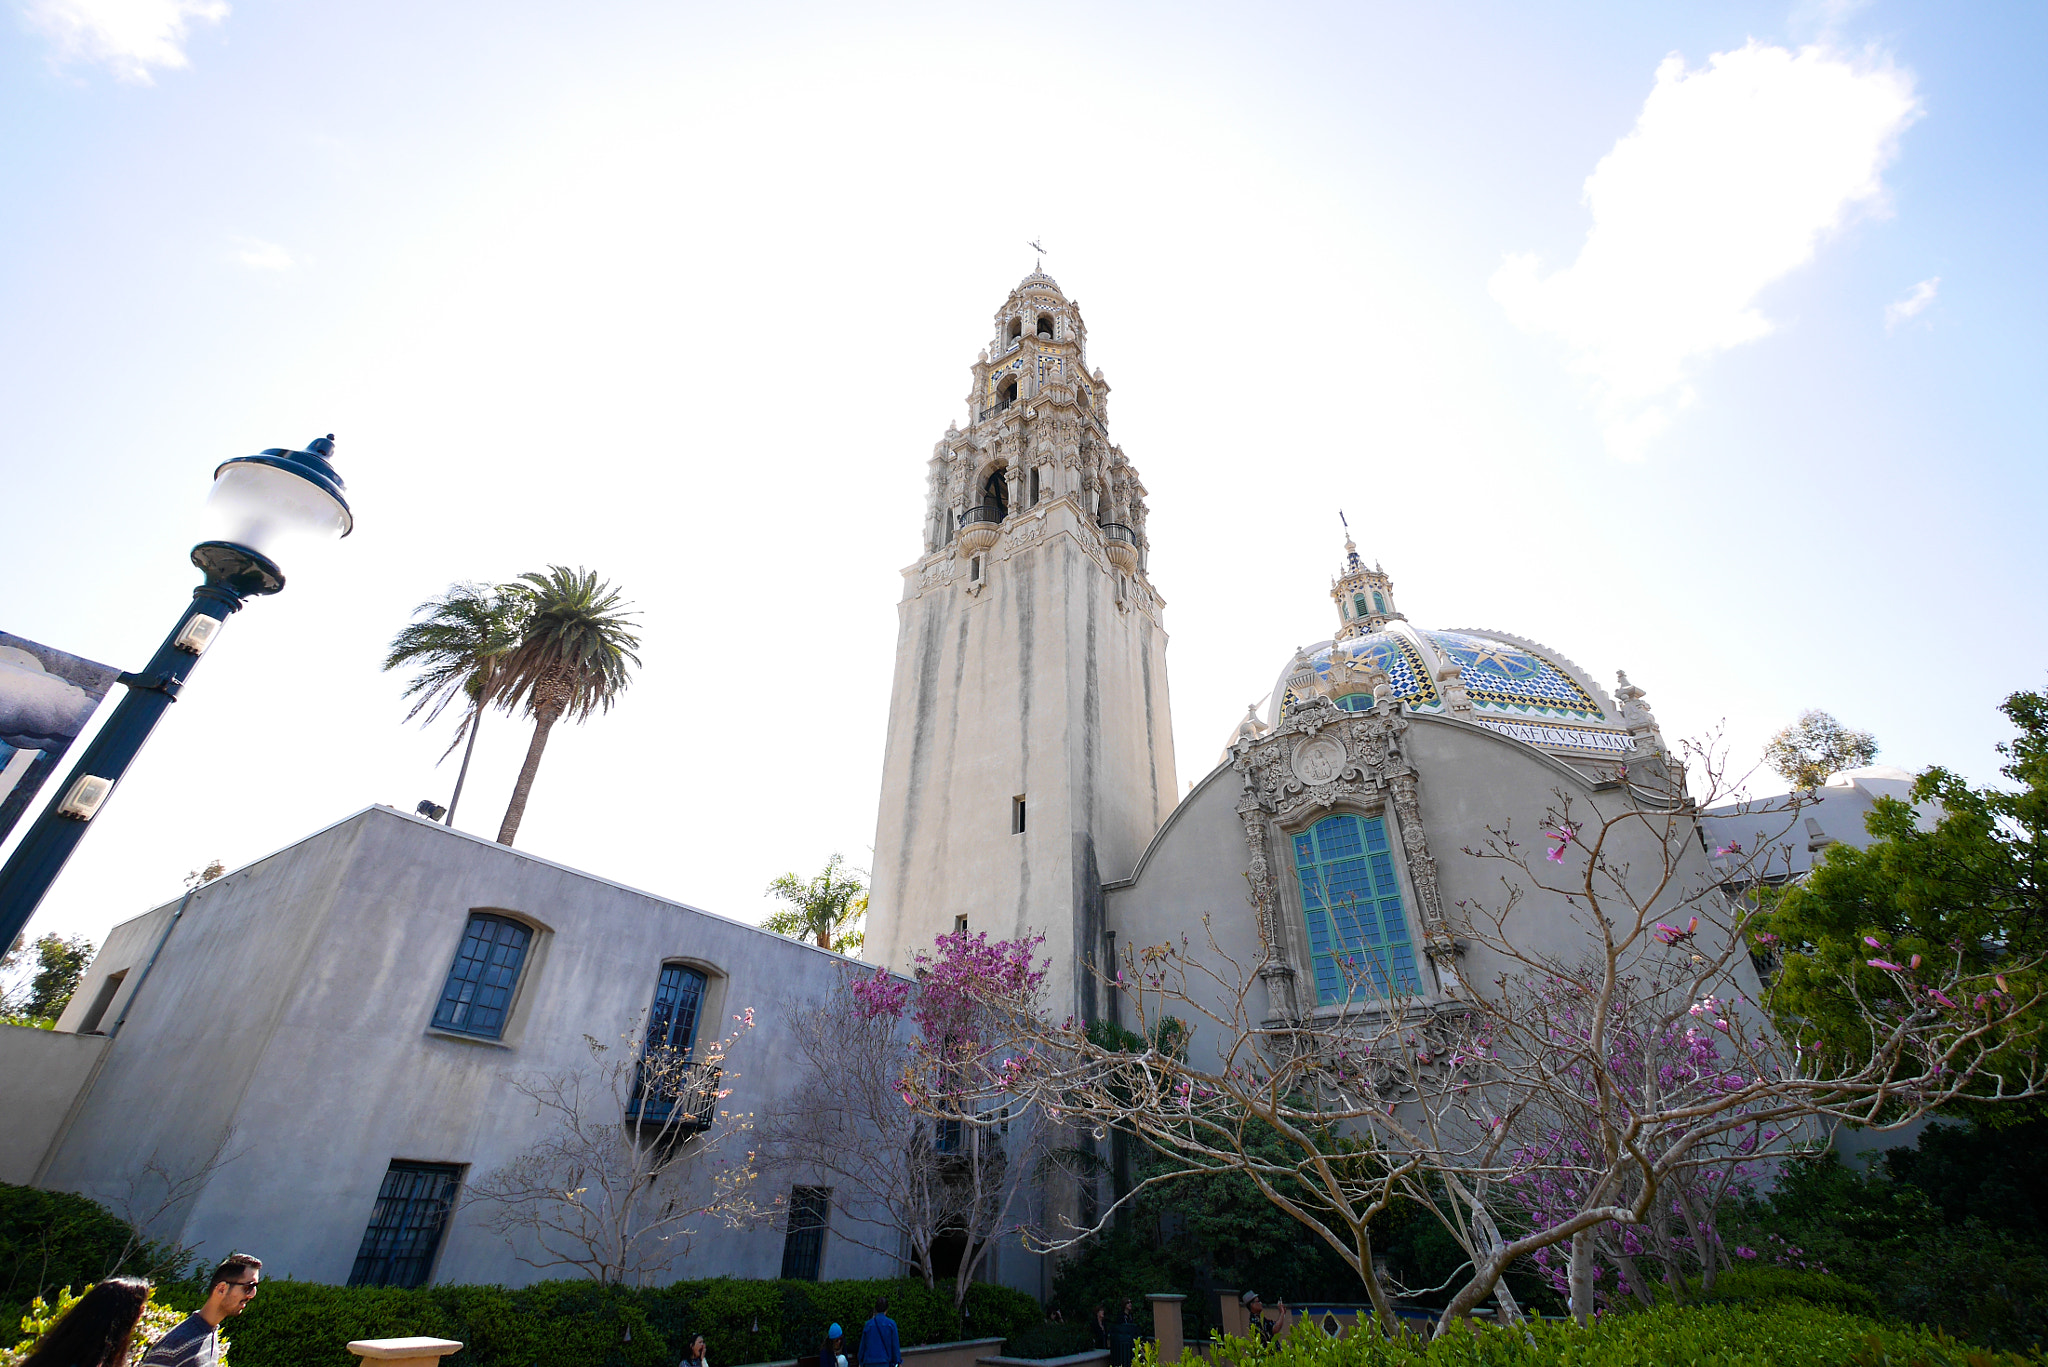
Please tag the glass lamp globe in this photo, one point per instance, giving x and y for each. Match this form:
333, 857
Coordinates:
268, 504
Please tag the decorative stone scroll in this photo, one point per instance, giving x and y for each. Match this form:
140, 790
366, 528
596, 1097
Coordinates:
1318, 757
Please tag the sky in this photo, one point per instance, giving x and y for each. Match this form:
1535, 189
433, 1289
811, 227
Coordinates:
1697, 341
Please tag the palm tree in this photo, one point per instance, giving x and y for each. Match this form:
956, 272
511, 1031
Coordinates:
825, 908
574, 656
459, 644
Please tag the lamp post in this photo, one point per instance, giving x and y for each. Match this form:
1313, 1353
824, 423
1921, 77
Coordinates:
260, 506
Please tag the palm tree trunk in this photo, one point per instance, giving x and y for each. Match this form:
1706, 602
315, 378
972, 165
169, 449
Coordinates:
543, 722
476, 717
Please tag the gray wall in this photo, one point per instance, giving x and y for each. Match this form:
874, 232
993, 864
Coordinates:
290, 1011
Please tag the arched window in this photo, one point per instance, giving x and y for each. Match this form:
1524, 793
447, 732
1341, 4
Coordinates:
1007, 395
1357, 934
1356, 702
1358, 603
995, 495
479, 989
1016, 328
1045, 327
668, 1089
1379, 603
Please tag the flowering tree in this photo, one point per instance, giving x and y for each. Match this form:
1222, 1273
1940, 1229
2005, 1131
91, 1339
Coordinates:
845, 1116
984, 1147
1609, 1091
635, 1152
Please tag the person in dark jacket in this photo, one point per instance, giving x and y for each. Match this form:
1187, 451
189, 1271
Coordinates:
97, 1331
879, 1346
834, 1352
1102, 1325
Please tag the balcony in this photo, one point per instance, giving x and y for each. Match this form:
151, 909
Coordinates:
979, 528
680, 1098
985, 414
1122, 544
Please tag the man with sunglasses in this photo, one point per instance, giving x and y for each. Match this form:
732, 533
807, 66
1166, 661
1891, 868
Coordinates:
195, 1342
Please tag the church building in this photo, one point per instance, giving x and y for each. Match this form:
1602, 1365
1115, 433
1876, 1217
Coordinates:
341, 1017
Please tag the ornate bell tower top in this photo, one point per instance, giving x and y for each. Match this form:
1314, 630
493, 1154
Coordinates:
1364, 597
1037, 434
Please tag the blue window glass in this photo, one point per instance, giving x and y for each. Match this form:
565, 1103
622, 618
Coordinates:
672, 1024
405, 1225
1358, 602
1358, 936
1379, 603
1356, 702
479, 990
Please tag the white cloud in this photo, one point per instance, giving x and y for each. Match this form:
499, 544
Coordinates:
1916, 301
1730, 179
259, 255
130, 36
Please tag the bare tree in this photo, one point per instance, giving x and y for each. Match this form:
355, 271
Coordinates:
1456, 1105
636, 1153
845, 1116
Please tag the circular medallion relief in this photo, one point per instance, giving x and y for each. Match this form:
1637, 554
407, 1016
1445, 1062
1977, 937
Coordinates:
1318, 760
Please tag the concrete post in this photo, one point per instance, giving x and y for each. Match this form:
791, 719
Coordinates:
1230, 1314
417, 1352
1166, 1327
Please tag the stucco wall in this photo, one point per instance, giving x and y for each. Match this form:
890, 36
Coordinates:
290, 1011
45, 1071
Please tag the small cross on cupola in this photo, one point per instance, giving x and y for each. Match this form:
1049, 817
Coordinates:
1364, 596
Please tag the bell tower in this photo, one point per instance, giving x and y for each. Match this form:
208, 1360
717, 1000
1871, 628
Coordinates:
1030, 750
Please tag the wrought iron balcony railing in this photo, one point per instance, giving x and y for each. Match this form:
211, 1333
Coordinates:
1117, 531
985, 414
682, 1097
987, 512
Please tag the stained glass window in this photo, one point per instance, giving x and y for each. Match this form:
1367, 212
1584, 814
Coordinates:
406, 1224
479, 990
1358, 936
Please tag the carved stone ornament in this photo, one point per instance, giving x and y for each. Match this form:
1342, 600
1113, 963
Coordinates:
1318, 759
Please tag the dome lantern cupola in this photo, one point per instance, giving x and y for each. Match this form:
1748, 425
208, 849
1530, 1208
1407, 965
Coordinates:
1364, 596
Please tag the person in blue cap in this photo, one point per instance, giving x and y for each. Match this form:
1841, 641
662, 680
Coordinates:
834, 1352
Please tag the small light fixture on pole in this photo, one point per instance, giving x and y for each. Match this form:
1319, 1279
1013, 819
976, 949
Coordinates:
260, 506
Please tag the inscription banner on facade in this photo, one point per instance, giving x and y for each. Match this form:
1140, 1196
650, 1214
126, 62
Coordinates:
46, 699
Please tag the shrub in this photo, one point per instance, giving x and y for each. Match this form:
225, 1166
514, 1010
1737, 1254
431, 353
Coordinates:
1746, 1285
50, 1239
1782, 1333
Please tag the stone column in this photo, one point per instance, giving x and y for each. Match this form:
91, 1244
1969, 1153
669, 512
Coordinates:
1166, 1328
417, 1352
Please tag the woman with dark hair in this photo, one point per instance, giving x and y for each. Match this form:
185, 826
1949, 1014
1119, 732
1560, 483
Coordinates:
695, 1357
833, 1354
97, 1331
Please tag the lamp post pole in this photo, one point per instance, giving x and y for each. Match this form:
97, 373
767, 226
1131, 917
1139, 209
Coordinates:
234, 574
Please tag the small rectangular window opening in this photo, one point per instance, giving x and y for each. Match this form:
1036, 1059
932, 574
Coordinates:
1034, 487
100, 1002
803, 1247
406, 1225
974, 570
1017, 815
959, 925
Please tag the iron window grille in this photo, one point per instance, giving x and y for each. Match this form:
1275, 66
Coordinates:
479, 990
406, 1225
803, 1247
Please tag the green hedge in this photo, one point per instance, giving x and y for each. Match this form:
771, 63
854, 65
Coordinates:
1782, 1333
579, 1324
50, 1239
1747, 1285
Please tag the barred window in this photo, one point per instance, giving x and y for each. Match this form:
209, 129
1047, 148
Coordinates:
406, 1225
803, 1247
479, 990
1357, 933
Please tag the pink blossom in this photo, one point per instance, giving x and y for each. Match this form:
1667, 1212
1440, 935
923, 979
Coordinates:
2000, 980
1913, 962
1732, 847
1885, 964
1936, 993
1873, 942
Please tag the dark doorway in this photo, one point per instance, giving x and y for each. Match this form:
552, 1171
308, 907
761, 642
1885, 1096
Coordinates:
995, 495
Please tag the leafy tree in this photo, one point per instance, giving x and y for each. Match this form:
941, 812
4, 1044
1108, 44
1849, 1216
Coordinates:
1972, 890
1816, 746
574, 657
59, 964
827, 907
458, 648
